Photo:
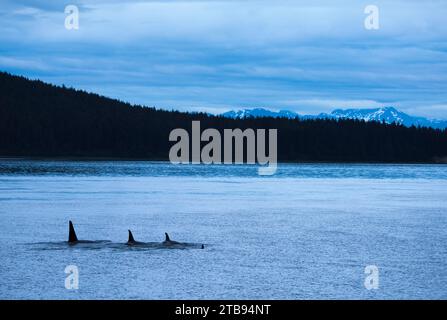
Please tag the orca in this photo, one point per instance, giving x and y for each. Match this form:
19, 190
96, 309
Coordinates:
73, 238
131, 241
170, 243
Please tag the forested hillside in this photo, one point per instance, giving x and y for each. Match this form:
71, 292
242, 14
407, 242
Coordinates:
43, 120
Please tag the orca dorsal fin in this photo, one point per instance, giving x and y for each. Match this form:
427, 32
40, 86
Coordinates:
131, 239
167, 237
71, 233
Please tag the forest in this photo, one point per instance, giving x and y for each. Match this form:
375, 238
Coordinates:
43, 120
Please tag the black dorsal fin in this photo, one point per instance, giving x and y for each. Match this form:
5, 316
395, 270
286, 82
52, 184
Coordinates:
71, 233
167, 237
131, 239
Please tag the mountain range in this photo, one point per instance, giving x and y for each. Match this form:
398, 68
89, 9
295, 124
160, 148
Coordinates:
385, 114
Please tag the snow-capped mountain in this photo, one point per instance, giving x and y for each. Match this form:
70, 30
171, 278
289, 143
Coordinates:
386, 114
259, 113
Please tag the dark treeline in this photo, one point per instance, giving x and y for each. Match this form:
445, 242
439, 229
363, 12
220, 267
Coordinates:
43, 120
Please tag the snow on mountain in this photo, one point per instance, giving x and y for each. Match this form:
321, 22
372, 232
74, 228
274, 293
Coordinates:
259, 113
387, 114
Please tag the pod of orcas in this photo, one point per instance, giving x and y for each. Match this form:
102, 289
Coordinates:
167, 243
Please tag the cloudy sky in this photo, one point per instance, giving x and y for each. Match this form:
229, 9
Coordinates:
305, 56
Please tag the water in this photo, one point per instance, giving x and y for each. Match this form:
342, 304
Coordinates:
306, 233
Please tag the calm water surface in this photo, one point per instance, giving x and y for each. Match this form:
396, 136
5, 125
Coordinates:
305, 233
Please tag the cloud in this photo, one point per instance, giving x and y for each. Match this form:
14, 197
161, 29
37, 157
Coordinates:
209, 55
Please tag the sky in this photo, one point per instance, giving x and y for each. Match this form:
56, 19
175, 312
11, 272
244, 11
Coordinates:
214, 56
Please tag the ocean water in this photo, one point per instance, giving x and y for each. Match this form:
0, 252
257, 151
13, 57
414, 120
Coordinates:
307, 232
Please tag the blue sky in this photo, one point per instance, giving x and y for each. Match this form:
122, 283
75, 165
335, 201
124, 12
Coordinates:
305, 56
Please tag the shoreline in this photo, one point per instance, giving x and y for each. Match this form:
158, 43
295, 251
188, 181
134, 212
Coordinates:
119, 159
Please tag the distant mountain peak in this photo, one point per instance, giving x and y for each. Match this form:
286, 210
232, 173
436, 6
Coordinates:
259, 113
387, 114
